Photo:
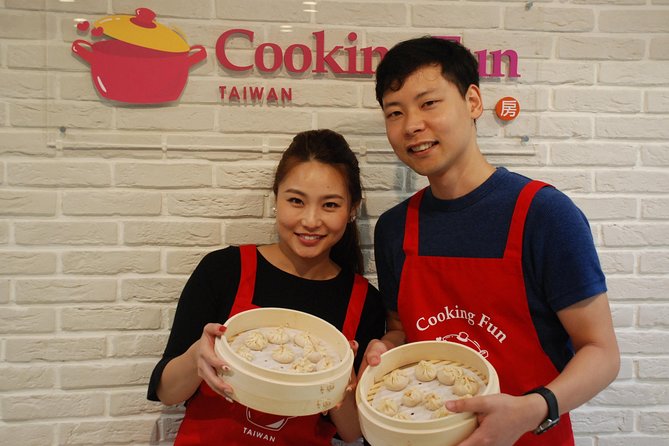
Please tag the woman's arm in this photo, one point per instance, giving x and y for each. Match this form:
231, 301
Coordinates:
207, 295
345, 415
184, 373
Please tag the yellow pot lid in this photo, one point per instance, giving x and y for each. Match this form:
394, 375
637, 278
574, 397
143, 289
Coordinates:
142, 30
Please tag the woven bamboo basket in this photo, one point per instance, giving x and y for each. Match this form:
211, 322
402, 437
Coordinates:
282, 392
383, 430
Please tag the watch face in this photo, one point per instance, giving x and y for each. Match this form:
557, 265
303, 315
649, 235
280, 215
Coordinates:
553, 417
543, 427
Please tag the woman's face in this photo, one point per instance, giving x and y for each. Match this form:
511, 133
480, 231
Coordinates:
313, 207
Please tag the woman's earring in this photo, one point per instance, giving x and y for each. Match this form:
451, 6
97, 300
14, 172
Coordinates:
274, 211
352, 219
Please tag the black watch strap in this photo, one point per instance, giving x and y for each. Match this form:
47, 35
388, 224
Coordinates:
553, 411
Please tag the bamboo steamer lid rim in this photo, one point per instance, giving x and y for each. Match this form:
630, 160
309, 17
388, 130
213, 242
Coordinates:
411, 353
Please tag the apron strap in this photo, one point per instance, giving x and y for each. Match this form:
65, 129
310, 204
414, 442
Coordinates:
410, 245
247, 280
244, 297
514, 242
355, 305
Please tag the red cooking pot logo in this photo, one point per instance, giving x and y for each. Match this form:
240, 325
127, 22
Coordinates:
142, 62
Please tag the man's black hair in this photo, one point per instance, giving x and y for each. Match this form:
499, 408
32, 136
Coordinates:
458, 64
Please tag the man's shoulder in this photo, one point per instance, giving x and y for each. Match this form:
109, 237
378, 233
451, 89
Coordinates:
390, 225
547, 197
391, 215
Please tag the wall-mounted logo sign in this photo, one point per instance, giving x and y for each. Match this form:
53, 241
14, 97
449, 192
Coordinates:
141, 62
507, 108
137, 60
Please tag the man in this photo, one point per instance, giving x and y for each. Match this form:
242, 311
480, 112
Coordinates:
486, 257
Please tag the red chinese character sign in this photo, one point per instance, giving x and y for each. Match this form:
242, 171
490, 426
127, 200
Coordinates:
507, 108
141, 61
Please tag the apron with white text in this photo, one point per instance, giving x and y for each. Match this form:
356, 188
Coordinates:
481, 303
211, 420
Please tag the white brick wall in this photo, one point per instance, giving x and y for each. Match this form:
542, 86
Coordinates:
105, 209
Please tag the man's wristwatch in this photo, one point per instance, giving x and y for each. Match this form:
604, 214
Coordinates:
553, 412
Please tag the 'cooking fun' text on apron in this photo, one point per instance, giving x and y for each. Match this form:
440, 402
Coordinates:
211, 420
481, 303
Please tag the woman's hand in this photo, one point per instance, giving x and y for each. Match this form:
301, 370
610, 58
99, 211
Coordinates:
349, 393
184, 374
345, 414
209, 363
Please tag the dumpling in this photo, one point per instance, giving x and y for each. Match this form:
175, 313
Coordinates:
283, 354
302, 338
448, 374
433, 401
313, 353
396, 380
312, 344
255, 341
388, 406
465, 385
325, 363
305, 339
403, 415
412, 397
245, 353
303, 365
440, 413
425, 371
278, 336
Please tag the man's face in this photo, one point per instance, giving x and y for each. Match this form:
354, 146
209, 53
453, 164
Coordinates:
430, 125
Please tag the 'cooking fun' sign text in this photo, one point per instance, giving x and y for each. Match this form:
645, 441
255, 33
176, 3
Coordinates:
339, 60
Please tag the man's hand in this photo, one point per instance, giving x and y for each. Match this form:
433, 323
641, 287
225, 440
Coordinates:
502, 418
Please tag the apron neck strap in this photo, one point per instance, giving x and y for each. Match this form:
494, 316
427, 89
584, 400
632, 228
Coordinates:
514, 242
247, 280
410, 244
355, 305
244, 297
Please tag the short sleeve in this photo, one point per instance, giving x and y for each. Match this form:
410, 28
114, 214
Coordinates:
560, 252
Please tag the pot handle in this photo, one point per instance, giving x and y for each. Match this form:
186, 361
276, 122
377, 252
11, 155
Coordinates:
79, 48
199, 56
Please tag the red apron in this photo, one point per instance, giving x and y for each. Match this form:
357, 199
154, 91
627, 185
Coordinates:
211, 420
481, 303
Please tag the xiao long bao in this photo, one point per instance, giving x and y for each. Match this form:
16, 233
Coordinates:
426, 394
285, 362
282, 348
401, 401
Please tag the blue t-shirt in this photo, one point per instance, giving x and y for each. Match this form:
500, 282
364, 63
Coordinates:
560, 263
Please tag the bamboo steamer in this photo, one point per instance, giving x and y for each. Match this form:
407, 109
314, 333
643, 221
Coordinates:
382, 430
285, 392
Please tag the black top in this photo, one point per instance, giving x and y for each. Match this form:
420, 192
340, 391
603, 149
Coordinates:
210, 291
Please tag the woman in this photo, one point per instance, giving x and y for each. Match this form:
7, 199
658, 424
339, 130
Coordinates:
312, 268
